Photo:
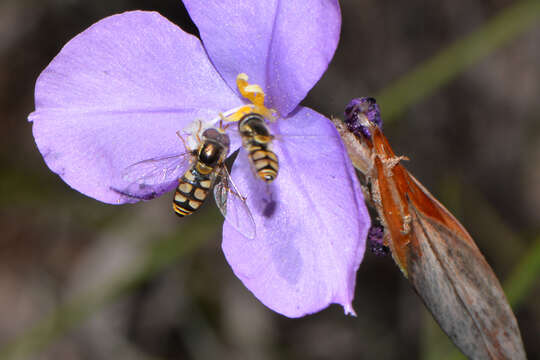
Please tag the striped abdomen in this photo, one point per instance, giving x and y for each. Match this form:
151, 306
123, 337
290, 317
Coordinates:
192, 190
257, 140
264, 160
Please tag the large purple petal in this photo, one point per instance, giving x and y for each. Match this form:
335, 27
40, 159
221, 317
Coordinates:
116, 94
284, 46
311, 221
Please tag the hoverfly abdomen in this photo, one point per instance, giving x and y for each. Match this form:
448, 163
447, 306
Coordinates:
192, 190
257, 140
265, 163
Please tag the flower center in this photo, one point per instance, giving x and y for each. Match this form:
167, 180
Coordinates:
255, 95
252, 92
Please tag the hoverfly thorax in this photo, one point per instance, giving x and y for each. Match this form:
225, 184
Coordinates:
213, 150
253, 128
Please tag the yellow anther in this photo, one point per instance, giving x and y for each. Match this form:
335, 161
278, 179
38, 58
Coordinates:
252, 92
244, 110
255, 94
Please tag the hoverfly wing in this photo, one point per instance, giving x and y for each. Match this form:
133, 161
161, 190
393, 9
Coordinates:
150, 178
157, 170
233, 205
456, 283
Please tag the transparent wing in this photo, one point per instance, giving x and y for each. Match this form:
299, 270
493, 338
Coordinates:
233, 205
150, 178
157, 170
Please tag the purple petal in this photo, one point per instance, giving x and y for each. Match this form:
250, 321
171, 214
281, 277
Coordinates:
311, 222
116, 94
284, 46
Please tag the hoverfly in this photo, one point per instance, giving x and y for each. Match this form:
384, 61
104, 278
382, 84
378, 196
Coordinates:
257, 140
255, 133
206, 168
432, 249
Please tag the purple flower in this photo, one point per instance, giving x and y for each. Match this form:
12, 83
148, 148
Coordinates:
118, 92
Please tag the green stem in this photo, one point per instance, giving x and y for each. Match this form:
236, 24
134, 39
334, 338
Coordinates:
525, 276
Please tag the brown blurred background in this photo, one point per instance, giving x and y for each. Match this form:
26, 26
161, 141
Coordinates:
475, 143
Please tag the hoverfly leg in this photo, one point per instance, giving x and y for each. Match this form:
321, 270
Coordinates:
223, 119
199, 130
186, 147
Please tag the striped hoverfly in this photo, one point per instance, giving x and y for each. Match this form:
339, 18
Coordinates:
257, 140
254, 131
205, 169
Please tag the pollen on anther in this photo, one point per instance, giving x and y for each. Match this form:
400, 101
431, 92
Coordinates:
255, 94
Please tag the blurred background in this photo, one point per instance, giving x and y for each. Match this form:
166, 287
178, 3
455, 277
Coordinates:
84, 280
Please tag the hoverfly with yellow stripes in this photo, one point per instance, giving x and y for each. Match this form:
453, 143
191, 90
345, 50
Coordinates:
257, 140
255, 133
205, 169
